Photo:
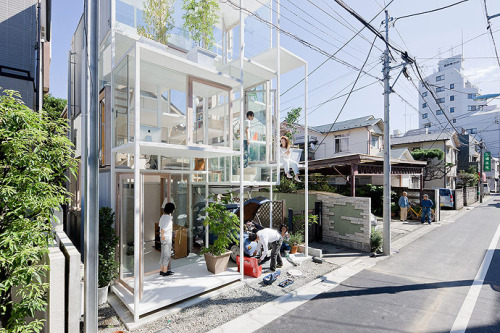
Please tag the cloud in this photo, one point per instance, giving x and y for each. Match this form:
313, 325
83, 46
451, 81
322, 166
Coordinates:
480, 73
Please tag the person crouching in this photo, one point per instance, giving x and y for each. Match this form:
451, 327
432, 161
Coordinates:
266, 237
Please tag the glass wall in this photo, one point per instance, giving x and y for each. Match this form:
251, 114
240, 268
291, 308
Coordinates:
211, 114
126, 229
123, 102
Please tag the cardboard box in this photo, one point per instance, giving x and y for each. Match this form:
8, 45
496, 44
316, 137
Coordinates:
180, 242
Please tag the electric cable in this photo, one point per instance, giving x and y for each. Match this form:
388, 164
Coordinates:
349, 95
429, 11
491, 33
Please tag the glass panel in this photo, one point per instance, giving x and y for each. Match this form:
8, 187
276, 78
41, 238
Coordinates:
120, 104
211, 114
163, 108
256, 101
257, 33
126, 222
131, 97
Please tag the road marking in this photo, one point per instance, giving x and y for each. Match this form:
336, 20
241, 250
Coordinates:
463, 317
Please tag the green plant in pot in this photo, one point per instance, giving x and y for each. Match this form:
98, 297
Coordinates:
108, 240
296, 238
225, 225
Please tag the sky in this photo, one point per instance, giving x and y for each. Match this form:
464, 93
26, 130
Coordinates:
327, 26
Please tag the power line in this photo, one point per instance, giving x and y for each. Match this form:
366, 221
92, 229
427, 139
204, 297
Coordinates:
331, 57
349, 95
295, 37
429, 11
491, 33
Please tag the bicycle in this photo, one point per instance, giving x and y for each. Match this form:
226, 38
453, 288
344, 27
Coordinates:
417, 215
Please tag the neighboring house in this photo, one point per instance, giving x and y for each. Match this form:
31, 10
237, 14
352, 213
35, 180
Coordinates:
170, 131
25, 49
353, 150
437, 174
456, 96
362, 135
467, 153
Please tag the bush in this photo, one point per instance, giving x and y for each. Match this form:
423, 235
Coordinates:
296, 238
108, 240
34, 156
376, 240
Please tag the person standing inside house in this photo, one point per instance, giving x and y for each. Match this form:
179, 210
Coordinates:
165, 225
246, 142
403, 206
286, 161
426, 209
266, 237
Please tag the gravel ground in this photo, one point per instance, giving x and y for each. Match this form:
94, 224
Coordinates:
222, 308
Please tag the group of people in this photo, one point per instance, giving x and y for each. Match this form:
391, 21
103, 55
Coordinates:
426, 205
285, 153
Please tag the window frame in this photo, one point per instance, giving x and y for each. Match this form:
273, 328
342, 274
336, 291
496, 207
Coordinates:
440, 78
337, 143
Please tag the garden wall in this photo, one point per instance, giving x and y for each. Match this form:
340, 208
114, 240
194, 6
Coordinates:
346, 220
470, 195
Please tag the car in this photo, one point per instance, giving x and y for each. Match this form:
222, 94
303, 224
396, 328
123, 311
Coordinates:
446, 197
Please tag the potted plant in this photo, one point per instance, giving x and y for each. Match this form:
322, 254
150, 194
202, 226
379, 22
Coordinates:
108, 240
199, 19
225, 225
296, 238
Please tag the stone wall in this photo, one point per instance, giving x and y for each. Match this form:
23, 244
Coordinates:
346, 220
470, 195
458, 197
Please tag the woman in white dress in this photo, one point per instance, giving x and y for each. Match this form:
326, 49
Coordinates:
286, 161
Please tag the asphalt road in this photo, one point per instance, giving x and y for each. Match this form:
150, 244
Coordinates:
423, 288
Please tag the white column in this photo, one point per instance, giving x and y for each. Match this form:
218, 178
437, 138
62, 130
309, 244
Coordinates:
242, 135
306, 166
137, 179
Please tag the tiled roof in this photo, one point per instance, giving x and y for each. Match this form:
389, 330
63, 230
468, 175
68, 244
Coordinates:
441, 136
347, 124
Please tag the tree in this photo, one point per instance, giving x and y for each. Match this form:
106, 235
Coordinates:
436, 168
53, 106
158, 16
199, 19
468, 178
292, 117
34, 155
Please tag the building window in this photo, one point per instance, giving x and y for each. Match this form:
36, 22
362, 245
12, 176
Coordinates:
471, 96
452, 86
424, 94
471, 131
428, 125
471, 108
341, 143
439, 78
424, 116
440, 100
438, 112
452, 98
452, 109
454, 120
439, 89
424, 105
375, 141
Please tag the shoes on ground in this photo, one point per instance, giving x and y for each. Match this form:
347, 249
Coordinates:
279, 266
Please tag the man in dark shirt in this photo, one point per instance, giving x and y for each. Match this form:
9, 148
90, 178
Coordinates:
426, 209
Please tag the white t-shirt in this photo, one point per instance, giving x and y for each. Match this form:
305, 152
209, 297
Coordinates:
247, 128
166, 225
267, 236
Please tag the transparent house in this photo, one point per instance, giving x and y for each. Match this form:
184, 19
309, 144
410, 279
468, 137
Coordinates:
171, 132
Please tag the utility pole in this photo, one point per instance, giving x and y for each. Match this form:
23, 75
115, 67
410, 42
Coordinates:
387, 145
91, 167
481, 168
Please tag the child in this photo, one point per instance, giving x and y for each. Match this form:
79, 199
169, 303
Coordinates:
166, 239
286, 162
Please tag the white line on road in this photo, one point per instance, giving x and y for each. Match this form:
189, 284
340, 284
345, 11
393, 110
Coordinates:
463, 317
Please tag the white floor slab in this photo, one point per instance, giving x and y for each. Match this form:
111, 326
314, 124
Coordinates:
189, 280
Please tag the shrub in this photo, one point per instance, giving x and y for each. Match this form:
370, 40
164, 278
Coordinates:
296, 238
34, 156
108, 240
376, 240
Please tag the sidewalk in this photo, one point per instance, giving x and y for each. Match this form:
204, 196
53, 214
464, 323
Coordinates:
350, 261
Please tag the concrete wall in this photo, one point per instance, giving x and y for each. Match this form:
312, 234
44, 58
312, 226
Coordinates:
346, 221
72, 282
458, 196
470, 195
